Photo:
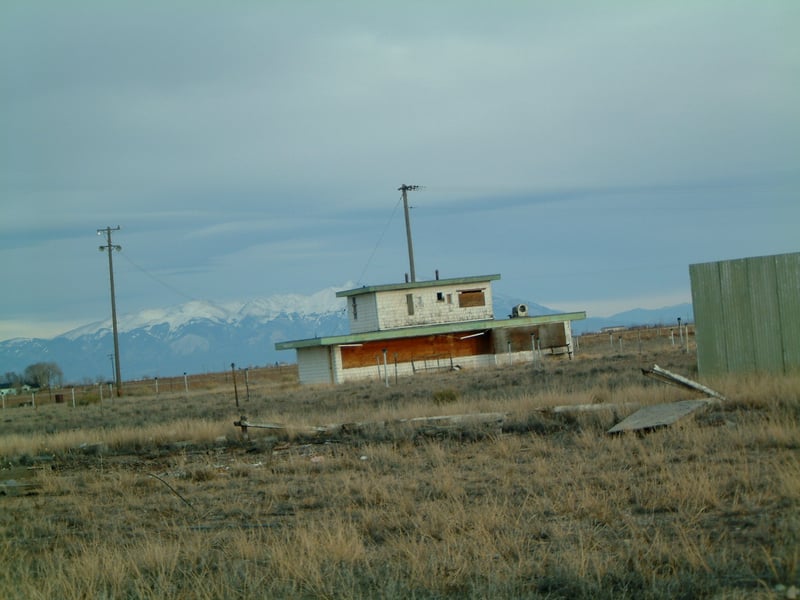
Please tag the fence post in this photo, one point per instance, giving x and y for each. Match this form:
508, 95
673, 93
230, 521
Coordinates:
235, 389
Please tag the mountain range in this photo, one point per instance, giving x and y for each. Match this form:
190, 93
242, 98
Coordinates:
199, 336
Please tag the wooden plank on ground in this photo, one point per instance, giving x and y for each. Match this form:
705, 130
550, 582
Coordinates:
658, 415
439, 422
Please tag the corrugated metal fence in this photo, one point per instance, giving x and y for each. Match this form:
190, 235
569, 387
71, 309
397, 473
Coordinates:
747, 314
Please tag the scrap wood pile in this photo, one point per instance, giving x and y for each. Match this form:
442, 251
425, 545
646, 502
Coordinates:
483, 424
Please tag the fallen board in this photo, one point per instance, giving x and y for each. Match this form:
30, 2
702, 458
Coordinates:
658, 415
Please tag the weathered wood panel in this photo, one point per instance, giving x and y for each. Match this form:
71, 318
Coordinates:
469, 298
468, 343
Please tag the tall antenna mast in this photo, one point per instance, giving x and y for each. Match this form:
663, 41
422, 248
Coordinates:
405, 189
110, 247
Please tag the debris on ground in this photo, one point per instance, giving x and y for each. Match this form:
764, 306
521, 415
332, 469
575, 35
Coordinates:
664, 415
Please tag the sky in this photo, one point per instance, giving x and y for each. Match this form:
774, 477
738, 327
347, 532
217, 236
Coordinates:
588, 152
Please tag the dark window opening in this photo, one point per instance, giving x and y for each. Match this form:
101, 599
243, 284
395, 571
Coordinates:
440, 296
355, 309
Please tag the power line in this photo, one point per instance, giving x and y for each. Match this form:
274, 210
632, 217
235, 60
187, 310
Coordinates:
378, 243
160, 281
170, 287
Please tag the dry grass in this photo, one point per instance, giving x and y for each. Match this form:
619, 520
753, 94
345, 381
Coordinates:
164, 500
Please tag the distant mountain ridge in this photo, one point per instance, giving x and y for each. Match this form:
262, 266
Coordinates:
667, 315
199, 336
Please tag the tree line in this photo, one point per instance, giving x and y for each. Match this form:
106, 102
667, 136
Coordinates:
39, 375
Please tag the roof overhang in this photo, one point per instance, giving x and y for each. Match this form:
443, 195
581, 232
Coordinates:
368, 289
423, 330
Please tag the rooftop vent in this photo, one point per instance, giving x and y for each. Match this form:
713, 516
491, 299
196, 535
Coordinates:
520, 310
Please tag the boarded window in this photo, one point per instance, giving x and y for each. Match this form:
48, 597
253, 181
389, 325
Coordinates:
410, 303
469, 298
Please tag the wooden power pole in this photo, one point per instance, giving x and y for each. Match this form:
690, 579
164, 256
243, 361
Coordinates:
405, 189
111, 247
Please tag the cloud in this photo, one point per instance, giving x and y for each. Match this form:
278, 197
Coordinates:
259, 147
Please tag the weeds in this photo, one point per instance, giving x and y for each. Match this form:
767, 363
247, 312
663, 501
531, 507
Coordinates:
178, 506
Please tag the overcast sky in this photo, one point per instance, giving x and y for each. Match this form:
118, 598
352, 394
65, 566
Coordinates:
586, 151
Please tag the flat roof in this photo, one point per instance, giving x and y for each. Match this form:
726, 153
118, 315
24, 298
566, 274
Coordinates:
367, 289
421, 330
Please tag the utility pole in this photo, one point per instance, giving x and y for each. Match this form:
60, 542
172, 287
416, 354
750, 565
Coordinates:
405, 189
111, 247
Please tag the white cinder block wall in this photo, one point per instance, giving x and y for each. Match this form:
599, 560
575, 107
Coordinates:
314, 365
431, 305
362, 312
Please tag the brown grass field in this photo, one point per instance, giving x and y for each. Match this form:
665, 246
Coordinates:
160, 496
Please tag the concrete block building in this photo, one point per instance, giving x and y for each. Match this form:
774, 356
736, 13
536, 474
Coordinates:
407, 328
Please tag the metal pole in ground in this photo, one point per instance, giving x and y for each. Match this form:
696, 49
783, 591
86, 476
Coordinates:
235, 390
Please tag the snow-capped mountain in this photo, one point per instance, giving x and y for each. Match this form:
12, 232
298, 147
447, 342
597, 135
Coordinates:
176, 317
200, 336
194, 337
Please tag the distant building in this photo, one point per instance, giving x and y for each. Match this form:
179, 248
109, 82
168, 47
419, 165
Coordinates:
613, 329
747, 314
406, 328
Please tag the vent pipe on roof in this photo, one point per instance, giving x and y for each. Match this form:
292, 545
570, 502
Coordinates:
406, 277
437, 274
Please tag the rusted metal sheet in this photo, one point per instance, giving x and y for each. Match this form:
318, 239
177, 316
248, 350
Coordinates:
658, 415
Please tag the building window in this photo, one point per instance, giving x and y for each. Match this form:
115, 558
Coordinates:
440, 296
355, 308
470, 298
449, 298
410, 303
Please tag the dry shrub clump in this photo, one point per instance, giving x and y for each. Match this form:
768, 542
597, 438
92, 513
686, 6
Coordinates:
548, 506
